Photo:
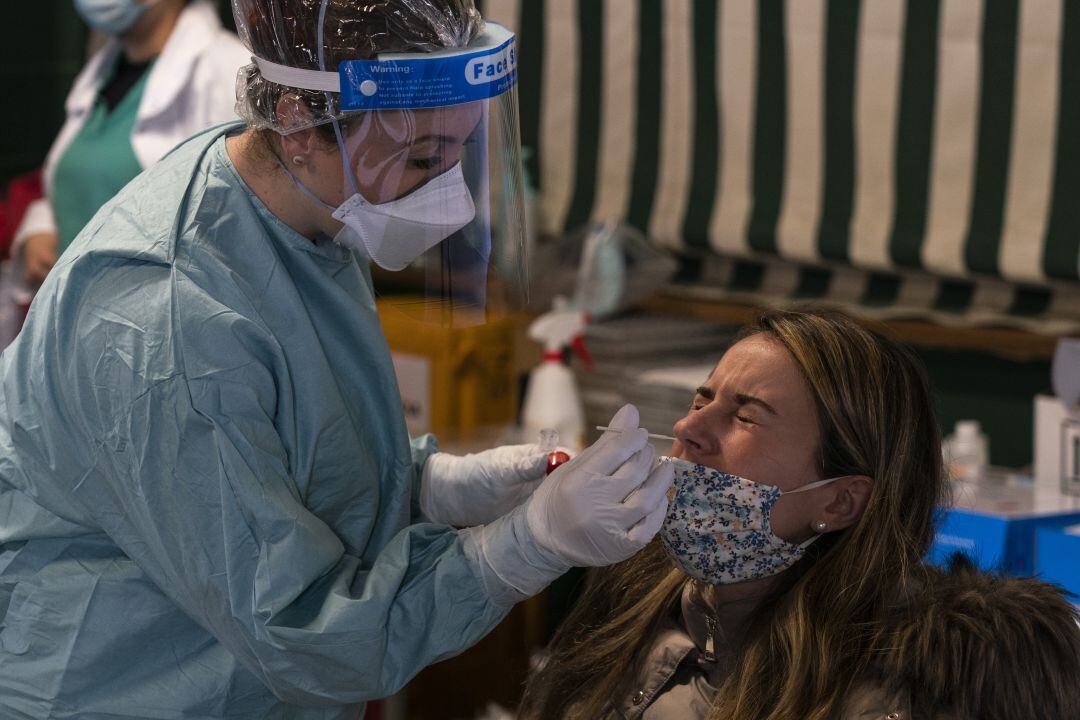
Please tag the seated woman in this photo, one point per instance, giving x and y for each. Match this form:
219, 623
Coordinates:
806, 502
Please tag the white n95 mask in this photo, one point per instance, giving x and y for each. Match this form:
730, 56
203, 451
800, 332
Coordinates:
395, 233
718, 527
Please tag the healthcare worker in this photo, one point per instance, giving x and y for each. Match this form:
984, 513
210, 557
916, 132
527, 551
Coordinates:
209, 503
167, 71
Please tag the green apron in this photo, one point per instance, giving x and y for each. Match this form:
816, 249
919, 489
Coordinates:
97, 164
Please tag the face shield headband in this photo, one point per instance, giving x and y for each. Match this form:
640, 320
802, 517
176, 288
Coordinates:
484, 69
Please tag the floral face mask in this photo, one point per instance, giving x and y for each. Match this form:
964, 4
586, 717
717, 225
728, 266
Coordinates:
719, 530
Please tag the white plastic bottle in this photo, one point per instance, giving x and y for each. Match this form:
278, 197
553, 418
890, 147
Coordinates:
967, 451
552, 400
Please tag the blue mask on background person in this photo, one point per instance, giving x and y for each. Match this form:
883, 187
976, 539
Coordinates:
719, 526
112, 17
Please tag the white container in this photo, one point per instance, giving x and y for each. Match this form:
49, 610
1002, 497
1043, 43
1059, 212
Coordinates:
552, 402
1057, 445
967, 451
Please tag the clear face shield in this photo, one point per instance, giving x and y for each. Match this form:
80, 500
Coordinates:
432, 170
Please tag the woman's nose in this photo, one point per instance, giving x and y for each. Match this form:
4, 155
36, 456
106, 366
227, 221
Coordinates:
694, 434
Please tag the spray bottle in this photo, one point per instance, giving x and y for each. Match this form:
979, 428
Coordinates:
551, 398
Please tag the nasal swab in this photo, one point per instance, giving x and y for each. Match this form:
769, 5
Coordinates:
619, 430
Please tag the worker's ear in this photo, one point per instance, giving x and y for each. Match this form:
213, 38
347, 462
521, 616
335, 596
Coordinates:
292, 112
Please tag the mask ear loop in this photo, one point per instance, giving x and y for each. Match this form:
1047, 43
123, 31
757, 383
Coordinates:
806, 488
303, 188
814, 485
330, 103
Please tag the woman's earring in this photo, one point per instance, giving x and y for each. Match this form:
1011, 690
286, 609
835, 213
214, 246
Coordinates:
297, 160
819, 526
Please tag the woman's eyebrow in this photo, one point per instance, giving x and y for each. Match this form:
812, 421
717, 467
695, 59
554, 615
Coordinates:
744, 399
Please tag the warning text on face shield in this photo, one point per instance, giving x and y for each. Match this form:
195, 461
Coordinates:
424, 82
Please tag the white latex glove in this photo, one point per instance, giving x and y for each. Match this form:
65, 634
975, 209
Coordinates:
476, 489
599, 508
607, 503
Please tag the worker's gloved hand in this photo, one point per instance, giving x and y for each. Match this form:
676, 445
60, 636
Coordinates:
599, 508
476, 489
607, 503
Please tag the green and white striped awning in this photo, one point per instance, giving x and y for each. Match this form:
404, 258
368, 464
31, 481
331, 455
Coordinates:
913, 157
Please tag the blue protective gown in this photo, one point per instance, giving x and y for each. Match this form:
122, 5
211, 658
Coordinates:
206, 485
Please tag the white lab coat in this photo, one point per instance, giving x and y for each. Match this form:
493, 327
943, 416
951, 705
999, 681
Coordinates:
191, 86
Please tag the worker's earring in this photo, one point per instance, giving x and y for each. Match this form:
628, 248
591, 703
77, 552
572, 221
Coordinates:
819, 526
297, 160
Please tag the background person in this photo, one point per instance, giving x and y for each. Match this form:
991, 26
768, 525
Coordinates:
803, 513
167, 71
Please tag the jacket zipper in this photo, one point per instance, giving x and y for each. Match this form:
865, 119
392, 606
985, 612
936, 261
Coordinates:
710, 639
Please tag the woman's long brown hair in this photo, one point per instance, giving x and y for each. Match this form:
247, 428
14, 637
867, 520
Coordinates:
818, 629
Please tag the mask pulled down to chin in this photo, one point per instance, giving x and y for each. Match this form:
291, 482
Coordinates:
719, 529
